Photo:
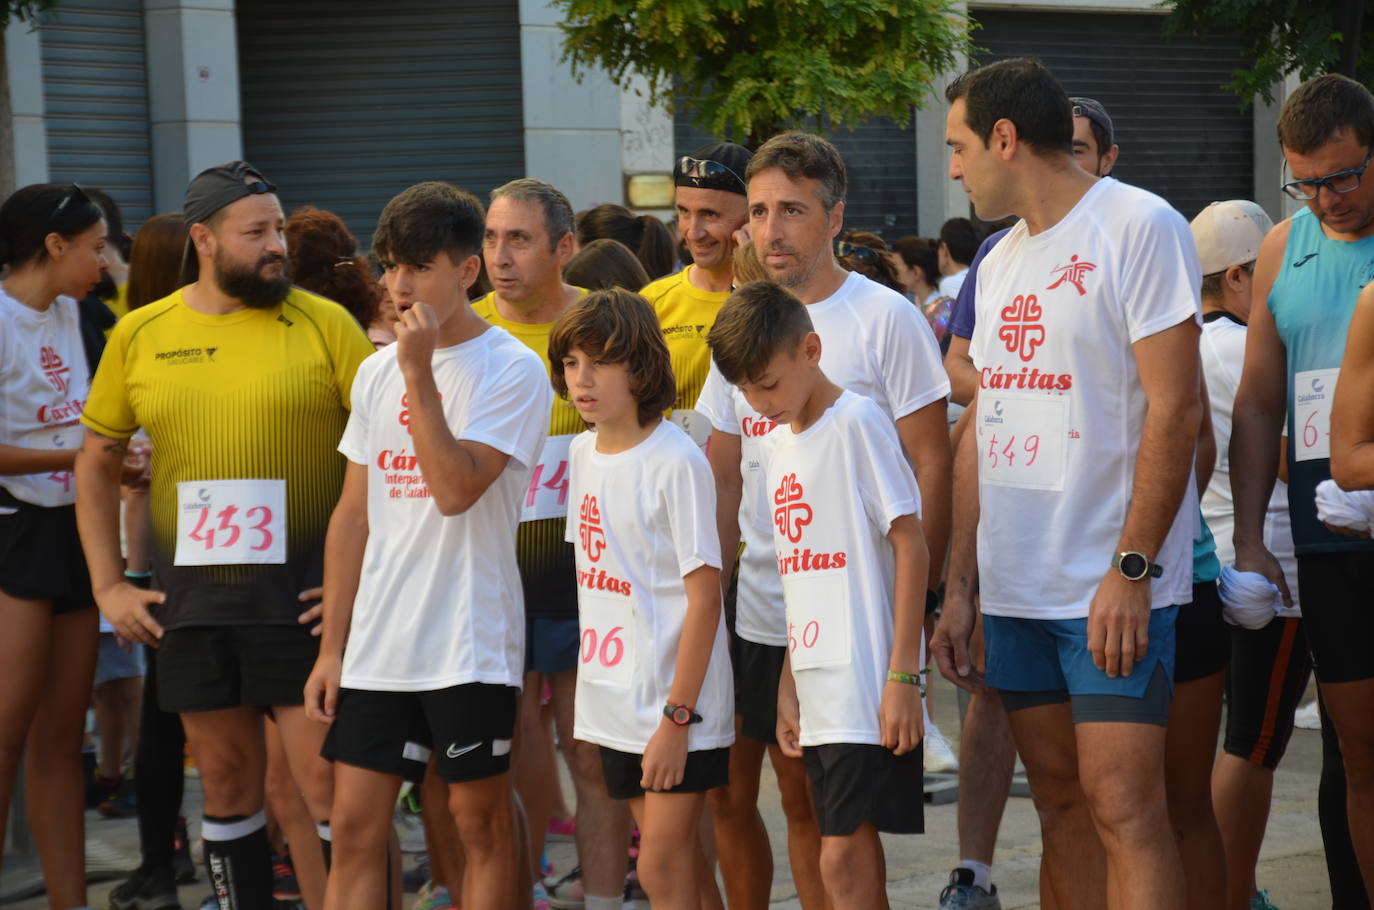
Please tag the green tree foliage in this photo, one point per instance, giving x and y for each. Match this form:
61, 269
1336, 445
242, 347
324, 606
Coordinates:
1285, 36
752, 66
22, 10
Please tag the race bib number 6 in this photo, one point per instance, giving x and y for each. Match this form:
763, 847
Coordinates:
817, 619
1313, 392
1021, 440
606, 654
231, 522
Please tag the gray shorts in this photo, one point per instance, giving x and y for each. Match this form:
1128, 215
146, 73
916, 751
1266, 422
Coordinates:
115, 663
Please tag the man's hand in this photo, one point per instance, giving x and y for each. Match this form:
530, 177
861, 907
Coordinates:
322, 688
789, 722
312, 612
950, 642
665, 758
1119, 623
417, 331
137, 468
1345, 532
126, 608
1255, 558
899, 717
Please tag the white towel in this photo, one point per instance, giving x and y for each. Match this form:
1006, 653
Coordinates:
1343, 508
1248, 599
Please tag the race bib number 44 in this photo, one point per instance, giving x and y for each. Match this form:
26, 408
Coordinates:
231, 522
547, 493
1021, 440
607, 647
817, 619
1313, 392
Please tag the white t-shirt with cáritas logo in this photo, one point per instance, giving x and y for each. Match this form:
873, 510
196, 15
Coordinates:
1060, 403
439, 601
836, 489
873, 343
44, 383
640, 521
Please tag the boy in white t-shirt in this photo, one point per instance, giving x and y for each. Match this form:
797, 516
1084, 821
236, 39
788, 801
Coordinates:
653, 681
420, 573
853, 562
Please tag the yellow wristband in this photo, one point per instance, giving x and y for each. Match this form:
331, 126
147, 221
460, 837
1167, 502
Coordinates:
911, 679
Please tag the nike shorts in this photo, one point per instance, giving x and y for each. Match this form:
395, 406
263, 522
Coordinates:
466, 728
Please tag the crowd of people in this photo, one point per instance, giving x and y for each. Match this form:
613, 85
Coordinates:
668, 500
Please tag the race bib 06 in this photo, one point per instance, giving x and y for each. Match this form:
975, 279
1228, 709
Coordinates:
818, 626
547, 494
1021, 440
607, 647
231, 522
1313, 392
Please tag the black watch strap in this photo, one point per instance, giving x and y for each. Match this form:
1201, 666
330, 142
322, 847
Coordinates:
681, 714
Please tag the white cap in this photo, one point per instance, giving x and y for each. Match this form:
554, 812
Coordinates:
1229, 233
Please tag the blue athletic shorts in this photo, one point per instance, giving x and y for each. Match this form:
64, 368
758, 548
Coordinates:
1036, 662
550, 645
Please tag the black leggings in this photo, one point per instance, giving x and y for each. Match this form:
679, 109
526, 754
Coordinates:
1269, 672
158, 773
1347, 888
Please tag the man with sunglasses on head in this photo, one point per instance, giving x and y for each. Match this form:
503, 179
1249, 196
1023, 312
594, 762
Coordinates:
1310, 270
242, 382
710, 198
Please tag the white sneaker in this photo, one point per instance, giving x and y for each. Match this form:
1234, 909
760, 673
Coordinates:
1308, 717
939, 756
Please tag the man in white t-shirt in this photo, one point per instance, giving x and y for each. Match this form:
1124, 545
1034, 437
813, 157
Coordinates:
1076, 478
959, 241
877, 345
420, 573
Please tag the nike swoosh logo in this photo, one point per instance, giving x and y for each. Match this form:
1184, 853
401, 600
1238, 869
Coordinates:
455, 752
1299, 263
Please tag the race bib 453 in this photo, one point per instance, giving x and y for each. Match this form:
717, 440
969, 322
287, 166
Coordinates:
231, 522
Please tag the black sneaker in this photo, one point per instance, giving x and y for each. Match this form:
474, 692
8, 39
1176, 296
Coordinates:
284, 885
183, 866
146, 889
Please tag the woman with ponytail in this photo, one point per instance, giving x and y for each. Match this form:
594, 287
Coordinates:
646, 236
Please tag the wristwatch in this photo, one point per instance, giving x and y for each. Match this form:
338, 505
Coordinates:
681, 714
1135, 566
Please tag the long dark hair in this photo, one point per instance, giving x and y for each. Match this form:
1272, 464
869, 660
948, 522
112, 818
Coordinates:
30, 214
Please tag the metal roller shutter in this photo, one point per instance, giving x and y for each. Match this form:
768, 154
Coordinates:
347, 103
880, 160
95, 97
1181, 135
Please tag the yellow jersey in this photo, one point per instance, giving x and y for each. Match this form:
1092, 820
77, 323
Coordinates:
548, 572
686, 313
244, 412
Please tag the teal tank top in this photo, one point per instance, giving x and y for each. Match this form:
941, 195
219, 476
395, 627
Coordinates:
1312, 301
1206, 566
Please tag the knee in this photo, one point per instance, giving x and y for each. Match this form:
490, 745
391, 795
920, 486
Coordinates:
1358, 756
228, 789
1122, 805
732, 802
660, 870
840, 862
584, 761
1055, 794
484, 830
796, 800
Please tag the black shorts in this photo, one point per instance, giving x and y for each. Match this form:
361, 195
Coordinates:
467, 728
41, 556
852, 784
1268, 675
757, 668
1201, 644
705, 770
1335, 592
208, 668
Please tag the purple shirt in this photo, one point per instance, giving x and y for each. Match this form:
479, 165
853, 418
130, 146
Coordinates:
961, 319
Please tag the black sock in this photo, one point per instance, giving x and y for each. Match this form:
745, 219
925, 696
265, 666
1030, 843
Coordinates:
158, 768
326, 844
240, 861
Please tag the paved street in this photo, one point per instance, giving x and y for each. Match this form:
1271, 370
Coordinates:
1291, 865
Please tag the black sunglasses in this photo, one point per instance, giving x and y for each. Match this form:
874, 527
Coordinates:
856, 251
75, 195
707, 174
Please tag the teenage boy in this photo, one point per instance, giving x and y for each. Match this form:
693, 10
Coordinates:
653, 681
446, 425
853, 563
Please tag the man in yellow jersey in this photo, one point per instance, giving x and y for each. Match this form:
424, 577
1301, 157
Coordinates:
242, 382
529, 238
711, 206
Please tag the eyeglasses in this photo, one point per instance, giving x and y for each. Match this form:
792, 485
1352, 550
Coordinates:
856, 251
1346, 181
76, 195
708, 174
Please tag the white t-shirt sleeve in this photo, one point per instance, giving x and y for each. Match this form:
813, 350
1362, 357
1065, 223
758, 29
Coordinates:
909, 361
1156, 297
717, 403
500, 417
885, 480
688, 499
353, 445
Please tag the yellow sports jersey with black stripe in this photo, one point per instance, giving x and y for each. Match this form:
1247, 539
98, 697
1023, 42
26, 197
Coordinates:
244, 412
548, 572
686, 313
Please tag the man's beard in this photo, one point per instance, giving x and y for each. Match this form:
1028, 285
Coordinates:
246, 284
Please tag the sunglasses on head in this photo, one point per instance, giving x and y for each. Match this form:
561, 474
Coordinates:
707, 174
76, 195
856, 251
